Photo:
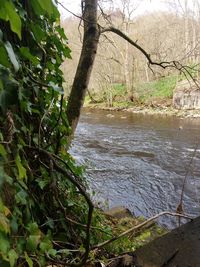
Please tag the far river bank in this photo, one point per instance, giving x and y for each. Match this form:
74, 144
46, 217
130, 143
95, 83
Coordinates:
165, 111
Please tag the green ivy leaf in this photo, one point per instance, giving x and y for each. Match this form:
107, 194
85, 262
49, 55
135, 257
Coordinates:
67, 52
47, 5
3, 13
14, 225
33, 228
12, 255
21, 197
4, 224
4, 57
28, 259
15, 21
37, 8
56, 14
32, 242
11, 55
56, 88
4, 243
46, 245
3, 152
42, 183
38, 33
52, 252
25, 51
61, 32
13, 17
65, 252
21, 169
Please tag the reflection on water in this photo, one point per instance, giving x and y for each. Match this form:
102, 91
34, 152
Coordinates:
140, 161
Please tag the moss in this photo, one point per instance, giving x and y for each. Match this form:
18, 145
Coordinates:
133, 240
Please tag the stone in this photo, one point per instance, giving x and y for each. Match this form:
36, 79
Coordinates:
186, 95
180, 248
119, 212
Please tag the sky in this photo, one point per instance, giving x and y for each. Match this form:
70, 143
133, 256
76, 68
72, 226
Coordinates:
143, 7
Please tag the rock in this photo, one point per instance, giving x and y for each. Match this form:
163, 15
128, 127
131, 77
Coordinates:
110, 115
180, 248
123, 261
127, 260
186, 95
119, 212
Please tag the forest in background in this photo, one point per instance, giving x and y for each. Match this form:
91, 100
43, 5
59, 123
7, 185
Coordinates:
121, 73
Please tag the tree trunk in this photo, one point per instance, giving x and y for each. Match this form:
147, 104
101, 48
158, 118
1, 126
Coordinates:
84, 69
126, 65
186, 28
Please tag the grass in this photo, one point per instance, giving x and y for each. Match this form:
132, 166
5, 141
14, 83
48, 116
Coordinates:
157, 91
162, 88
132, 242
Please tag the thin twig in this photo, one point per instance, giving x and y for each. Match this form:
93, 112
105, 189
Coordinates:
179, 208
187, 172
69, 11
100, 245
38, 82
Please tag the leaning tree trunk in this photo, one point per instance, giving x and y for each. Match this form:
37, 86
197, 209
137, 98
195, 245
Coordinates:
84, 69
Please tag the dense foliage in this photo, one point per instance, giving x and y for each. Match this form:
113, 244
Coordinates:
45, 212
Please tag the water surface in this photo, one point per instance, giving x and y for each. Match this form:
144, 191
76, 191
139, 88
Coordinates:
140, 161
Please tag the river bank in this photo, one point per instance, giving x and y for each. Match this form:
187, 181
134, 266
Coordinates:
164, 111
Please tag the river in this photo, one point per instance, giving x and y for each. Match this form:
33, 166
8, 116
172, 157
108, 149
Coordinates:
140, 161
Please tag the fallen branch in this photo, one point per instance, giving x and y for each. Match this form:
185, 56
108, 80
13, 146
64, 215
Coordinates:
100, 245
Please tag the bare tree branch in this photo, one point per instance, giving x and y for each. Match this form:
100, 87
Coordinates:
163, 64
69, 11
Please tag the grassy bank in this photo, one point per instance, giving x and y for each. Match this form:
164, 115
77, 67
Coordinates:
157, 93
154, 97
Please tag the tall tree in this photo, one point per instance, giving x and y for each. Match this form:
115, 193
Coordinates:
86, 62
92, 32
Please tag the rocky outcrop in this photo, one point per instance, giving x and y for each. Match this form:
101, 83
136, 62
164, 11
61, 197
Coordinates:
180, 248
186, 95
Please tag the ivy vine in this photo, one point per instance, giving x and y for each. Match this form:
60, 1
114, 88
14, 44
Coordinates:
45, 211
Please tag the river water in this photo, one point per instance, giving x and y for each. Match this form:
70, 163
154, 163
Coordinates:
140, 161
